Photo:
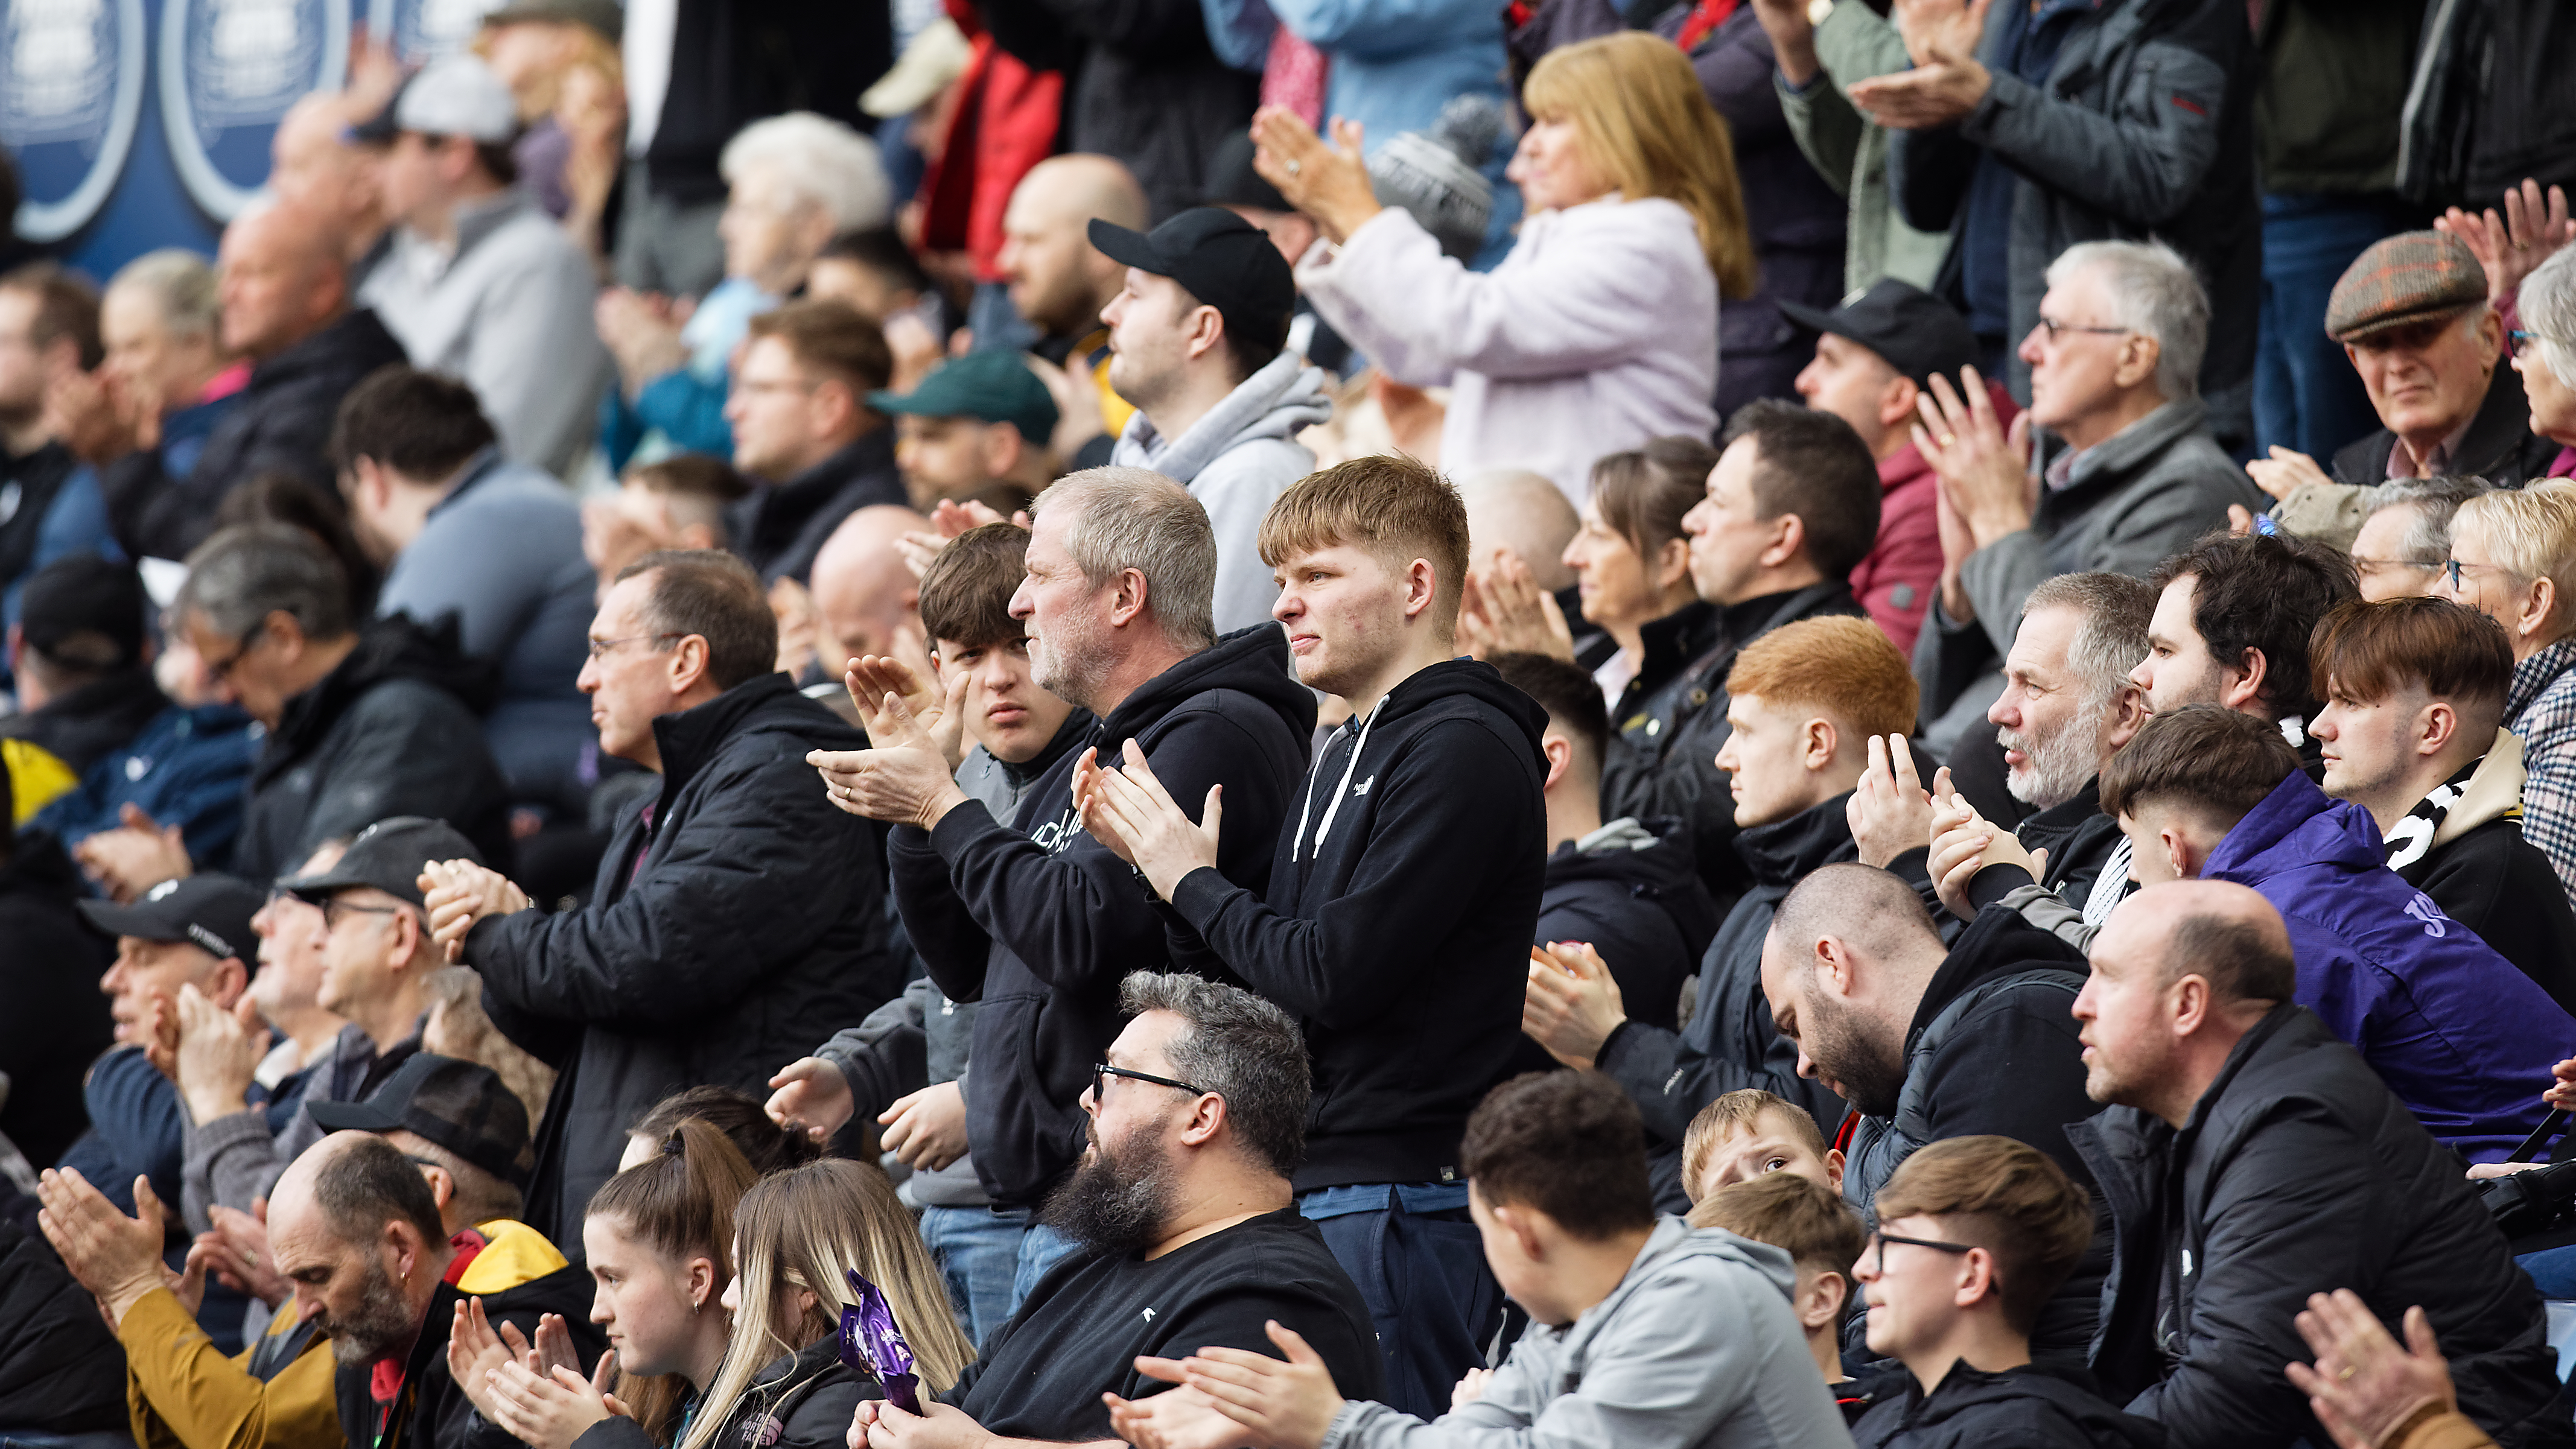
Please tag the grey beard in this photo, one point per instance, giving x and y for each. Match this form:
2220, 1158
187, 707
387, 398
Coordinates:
382, 1321
2054, 769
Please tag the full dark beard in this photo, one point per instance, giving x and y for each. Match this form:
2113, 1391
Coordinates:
1118, 1199
1871, 1081
381, 1322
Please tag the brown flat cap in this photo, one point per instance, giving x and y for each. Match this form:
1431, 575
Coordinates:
2413, 276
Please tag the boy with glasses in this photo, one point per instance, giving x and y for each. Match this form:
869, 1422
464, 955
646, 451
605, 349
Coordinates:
1975, 1234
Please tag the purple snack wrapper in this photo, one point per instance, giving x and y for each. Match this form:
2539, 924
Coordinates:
872, 1344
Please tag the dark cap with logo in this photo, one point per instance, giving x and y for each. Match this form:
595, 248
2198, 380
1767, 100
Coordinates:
388, 855
1219, 258
459, 1105
210, 912
1917, 333
992, 386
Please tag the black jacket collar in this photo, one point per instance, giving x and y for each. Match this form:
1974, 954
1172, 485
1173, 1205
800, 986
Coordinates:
1784, 852
691, 737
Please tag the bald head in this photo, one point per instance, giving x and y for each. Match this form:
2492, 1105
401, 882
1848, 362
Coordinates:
354, 1226
861, 587
1524, 512
1058, 280
1844, 968
2221, 931
282, 280
313, 168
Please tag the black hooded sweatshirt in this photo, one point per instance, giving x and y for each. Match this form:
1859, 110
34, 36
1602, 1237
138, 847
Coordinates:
2020, 1408
1038, 922
1398, 919
394, 730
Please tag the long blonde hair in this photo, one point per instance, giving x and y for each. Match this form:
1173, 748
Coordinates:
1649, 129
804, 1228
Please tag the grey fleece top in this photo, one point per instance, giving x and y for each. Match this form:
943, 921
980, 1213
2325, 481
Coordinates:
1234, 461
1696, 1347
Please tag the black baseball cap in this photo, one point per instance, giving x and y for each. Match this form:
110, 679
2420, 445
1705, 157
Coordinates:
1231, 181
211, 912
388, 855
85, 612
1223, 260
459, 1105
1917, 333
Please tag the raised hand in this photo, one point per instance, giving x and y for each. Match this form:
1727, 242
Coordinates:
926, 1130
459, 893
138, 854
1890, 811
2512, 246
909, 776
1284, 1403
1984, 468
810, 1095
2364, 1385
236, 1251
1329, 182
1572, 1002
1511, 613
219, 1054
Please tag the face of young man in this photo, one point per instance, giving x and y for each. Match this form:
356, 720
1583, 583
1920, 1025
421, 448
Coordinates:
1766, 753
1150, 326
628, 674
1345, 615
2179, 668
940, 457
1728, 535
2369, 745
1851, 382
1006, 711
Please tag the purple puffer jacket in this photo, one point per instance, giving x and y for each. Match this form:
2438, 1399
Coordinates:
2462, 1037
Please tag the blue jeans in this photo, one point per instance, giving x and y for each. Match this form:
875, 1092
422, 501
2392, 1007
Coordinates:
978, 1252
2306, 394
1041, 1248
1420, 1266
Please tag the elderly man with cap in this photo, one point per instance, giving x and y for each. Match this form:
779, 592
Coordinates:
2412, 314
975, 422
377, 955
481, 284
188, 935
1876, 354
1198, 343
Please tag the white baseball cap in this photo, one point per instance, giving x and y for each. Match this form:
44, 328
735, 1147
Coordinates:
455, 95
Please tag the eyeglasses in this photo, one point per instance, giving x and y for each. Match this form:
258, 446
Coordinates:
2452, 569
756, 388
1101, 1072
1878, 1247
602, 648
2519, 342
335, 909
221, 670
2056, 329
2372, 567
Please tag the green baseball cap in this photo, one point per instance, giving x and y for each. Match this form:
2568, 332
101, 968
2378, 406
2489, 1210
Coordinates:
990, 387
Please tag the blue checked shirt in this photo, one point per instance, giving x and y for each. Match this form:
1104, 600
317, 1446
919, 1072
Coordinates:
2541, 707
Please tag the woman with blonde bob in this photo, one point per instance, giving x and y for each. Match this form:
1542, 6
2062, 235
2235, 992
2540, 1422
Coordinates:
1599, 330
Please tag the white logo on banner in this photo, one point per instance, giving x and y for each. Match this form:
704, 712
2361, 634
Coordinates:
229, 71
71, 90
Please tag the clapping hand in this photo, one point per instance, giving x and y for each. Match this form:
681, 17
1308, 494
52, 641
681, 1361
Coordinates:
117, 1258
219, 1054
237, 1253
2364, 1385
1947, 81
1177, 1418
1572, 1002
1890, 812
551, 1408
1984, 466
1286, 1404
2512, 246
1329, 182
458, 893
1151, 830
1964, 842
1504, 611
908, 775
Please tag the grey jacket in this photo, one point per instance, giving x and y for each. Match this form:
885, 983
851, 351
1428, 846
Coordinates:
1234, 461
510, 313
1854, 43
1696, 1347
2145, 127
2129, 502
233, 1160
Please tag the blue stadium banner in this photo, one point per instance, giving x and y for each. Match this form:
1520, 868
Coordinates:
71, 99
229, 71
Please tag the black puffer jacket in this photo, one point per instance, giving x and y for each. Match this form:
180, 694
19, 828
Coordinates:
394, 730
1039, 922
61, 1371
1397, 923
2021, 1408
1636, 898
2299, 1172
1731, 1041
1664, 761
281, 424
1992, 1050
778, 529
802, 1401
756, 917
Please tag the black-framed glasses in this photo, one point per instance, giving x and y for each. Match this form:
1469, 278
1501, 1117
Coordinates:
2454, 570
221, 670
335, 909
1878, 1248
1101, 1072
2056, 329
601, 648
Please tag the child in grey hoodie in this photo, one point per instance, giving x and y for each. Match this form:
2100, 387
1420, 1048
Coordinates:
1644, 1334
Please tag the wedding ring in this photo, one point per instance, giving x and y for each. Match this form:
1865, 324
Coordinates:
1295, 166
2348, 1371
1948, 439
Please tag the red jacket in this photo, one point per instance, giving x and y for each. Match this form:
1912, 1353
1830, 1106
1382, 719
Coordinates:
1896, 582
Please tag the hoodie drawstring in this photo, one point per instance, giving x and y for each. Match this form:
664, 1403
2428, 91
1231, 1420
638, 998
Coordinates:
1341, 792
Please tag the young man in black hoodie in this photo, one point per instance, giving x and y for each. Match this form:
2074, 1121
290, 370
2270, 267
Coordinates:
1627, 888
1033, 918
1401, 902
1802, 702
1974, 1236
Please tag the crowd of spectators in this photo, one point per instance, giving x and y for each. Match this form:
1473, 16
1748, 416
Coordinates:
1277, 723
